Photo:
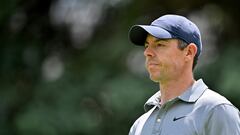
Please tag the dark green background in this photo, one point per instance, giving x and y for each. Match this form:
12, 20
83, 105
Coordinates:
96, 92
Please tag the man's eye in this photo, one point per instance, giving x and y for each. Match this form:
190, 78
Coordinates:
160, 45
146, 46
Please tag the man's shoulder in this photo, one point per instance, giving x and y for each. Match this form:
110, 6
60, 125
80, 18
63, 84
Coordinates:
211, 98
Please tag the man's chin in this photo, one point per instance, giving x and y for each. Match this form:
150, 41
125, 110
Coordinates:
154, 79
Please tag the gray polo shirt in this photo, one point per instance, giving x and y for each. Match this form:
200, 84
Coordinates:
198, 111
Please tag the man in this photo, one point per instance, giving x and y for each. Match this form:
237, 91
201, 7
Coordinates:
183, 106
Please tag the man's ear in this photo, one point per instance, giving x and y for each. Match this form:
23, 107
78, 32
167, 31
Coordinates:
191, 51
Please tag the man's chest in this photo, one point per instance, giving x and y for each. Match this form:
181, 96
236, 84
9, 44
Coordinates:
181, 120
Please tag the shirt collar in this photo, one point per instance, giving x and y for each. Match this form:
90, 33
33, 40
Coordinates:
152, 101
192, 94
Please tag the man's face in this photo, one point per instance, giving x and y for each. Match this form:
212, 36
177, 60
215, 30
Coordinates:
164, 60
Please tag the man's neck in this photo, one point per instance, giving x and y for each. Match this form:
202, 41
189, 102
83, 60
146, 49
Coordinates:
174, 88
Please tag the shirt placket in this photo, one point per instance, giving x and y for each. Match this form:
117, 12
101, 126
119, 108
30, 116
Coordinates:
157, 129
159, 120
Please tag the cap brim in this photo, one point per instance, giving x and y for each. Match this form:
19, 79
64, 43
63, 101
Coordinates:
138, 33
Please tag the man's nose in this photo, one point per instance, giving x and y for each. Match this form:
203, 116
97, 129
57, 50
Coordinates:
148, 52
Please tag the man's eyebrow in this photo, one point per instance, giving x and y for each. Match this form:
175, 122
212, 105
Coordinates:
146, 42
162, 40
157, 40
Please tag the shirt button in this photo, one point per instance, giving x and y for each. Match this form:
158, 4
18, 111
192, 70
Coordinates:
158, 120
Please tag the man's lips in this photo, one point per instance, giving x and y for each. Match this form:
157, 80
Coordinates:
152, 64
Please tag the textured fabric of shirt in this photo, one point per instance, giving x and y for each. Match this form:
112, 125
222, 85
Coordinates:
198, 111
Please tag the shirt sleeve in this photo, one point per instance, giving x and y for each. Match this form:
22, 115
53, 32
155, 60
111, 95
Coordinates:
224, 120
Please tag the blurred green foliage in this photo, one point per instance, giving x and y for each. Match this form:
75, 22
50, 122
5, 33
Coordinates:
97, 92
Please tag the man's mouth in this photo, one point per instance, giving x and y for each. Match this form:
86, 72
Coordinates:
152, 64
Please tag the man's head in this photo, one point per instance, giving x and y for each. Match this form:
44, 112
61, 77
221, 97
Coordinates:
173, 45
169, 27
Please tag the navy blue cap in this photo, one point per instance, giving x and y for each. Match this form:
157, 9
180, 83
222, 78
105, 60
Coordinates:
168, 27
